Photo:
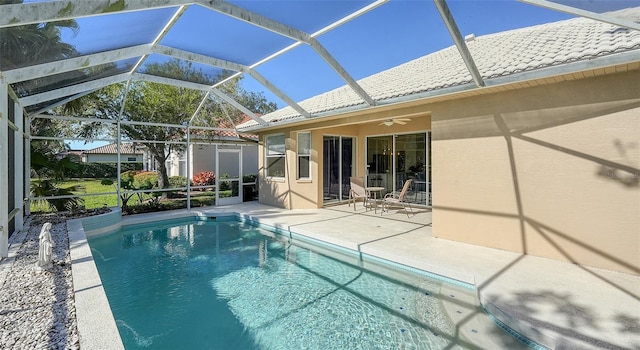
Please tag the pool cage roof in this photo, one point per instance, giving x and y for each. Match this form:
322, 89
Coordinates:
115, 41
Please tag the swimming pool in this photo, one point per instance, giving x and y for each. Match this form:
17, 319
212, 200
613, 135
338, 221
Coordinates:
224, 284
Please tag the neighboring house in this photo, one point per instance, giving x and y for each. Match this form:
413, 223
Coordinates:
109, 154
541, 157
231, 156
203, 158
75, 155
206, 144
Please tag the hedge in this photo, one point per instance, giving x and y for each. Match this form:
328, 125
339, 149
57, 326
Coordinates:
101, 170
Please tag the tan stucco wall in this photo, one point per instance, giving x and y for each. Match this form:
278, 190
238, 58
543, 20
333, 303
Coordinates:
278, 191
552, 171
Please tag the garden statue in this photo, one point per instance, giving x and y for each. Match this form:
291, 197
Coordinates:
45, 248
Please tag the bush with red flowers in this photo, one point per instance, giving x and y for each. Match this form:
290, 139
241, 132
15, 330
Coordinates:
204, 178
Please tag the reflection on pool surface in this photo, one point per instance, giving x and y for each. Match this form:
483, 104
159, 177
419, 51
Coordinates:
228, 285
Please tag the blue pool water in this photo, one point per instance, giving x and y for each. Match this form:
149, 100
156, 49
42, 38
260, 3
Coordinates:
224, 284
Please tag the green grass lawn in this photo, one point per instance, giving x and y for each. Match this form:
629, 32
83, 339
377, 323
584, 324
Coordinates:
87, 186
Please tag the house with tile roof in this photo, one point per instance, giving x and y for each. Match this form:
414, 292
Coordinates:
539, 153
109, 154
209, 151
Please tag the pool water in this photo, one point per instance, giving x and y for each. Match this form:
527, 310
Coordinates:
229, 285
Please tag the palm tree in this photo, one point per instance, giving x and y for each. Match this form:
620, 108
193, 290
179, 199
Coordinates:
34, 43
25, 45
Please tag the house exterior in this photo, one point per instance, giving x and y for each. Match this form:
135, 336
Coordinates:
205, 146
109, 154
541, 158
203, 158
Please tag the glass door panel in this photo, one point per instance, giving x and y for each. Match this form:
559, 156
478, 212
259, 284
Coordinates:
338, 166
410, 152
228, 174
379, 161
347, 163
393, 159
330, 171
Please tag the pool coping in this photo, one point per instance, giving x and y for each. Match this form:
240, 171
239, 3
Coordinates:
97, 326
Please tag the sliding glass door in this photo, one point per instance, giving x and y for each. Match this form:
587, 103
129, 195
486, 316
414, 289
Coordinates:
411, 163
379, 162
393, 159
338, 166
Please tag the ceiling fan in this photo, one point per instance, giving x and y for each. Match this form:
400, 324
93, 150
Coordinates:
401, 121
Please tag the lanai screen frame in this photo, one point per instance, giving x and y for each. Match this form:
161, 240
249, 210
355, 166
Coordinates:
20, 14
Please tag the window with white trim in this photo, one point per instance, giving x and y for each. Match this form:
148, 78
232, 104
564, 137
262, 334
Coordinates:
304, 155
274, 155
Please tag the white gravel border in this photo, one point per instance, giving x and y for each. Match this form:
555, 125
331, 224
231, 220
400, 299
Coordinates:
37, 308
62, 308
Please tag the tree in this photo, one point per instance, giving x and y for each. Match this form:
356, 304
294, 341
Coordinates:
165, 104
34, 44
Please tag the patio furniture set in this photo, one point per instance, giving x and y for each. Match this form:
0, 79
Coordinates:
369, 196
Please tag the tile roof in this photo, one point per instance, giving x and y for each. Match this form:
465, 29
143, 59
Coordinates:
125, 148
496, 55
224, 135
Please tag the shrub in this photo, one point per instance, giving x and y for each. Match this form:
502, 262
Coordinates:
101, 170
249, 178
46, 188
204, 178
177, 181
146, 180
127, 178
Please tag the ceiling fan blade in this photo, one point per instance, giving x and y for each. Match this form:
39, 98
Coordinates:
404, 119
400, 122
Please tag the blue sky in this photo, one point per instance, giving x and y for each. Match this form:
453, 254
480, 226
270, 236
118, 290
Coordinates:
394, 33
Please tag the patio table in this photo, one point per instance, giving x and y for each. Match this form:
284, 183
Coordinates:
375, 191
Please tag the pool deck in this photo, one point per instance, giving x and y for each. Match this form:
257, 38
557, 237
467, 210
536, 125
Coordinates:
557, 304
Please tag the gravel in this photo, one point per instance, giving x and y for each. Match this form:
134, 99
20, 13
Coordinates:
37, 309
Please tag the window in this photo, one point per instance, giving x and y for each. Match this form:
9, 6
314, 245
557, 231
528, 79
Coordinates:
275, 155
131, 159
304, 155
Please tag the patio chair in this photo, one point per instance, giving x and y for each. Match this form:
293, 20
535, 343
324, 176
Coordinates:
357, 191
398, 199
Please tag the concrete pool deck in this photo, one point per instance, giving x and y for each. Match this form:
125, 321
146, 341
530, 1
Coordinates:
557, 304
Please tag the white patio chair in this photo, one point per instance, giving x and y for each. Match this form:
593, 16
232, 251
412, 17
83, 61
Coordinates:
395, 198
357, 191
